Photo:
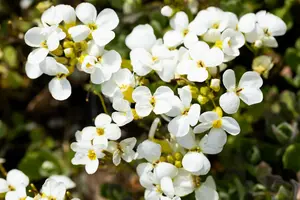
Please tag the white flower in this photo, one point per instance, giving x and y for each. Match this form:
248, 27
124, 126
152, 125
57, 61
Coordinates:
248, 90
57, 14
185, 114
217, 125
207, 190
59, 86
145, 102
124, 113
100, 26
53, 190
15, 182
183, 31
101, 64
195, 161
123, 149
143, 61
230, 42
201, 57
88, 155
261, 28
103, 130
213, 20
121, 84
69, 184
45, 39
166, 11
17, 194
142, 36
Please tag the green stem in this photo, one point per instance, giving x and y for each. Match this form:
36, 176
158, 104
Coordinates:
250, 48
102, 102
2, 170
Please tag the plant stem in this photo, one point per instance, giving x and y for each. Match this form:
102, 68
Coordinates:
3, 171
102, 102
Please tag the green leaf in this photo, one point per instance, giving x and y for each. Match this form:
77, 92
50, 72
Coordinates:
291, 159
39, 164
10, 56
292, 58
283, 132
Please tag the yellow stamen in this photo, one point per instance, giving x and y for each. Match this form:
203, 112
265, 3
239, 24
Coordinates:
219, 44
217, 123
100, 131
92, 155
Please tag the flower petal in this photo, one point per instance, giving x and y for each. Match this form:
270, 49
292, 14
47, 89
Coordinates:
229, 79
107, 19
230, 125
103, 37
192, 161
60, 88
79, 32
102, 120
251, 96
33, 71
37, 55
229, 102
34, 37
86, 13
141, 94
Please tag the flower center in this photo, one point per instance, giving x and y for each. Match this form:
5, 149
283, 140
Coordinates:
11, 188
185, 112
100, 131
197, 181
92, 155
219, 44
152, 101
217, 123
185, 32
216, 25
238, 91
44, 44
266, 32
154, 58
127, 92
92, 26
200, 64
60, 76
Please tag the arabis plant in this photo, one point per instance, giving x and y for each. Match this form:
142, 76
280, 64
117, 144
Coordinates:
164, 80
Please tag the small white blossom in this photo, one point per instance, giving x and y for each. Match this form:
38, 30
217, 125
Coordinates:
69, 184
166, 11
53, 190
185, 114
122, 150
100, 26
123, 114
145, 102
248, 90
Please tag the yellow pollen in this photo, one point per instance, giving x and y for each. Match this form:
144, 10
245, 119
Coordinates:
44, 44
219, 44
92, 155
88, 65
99, 59
215, 25
185, 112
152, 101
92, 26
158, 189
154, 58
127, 92
217, 123
135, 115
185, 32
200, 63
100, 131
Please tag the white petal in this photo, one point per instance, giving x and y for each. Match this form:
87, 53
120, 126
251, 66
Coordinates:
92, 166
86, 13
116, 158
167, 186
185, 96
99, 75
193, 114
107, 19
143, 168
141, 94
65, 180
100, 140
270, 42
17, 178
180, 21
173, 38
88, 133
202, 127
128, 143
51, 67
183, 183
122, 118
216, 137
142, 36
164, 169
214, 57
187, 141
161, 107
229, 79
230, 125
143, 109
38, 55
199, 50
247, 23
229, 102
102, 119
60, 88
197, 74
251, 96
67, 12
190, 39
179, 126
51, 16
79, 32
33, 71
3, 186
149, 150
212, 35
209, 116
192, 161
206, 193
103, 37
111, 61
251, 80
209, 148
34, 37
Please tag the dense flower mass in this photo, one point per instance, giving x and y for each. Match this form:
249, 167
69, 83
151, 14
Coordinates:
187, 64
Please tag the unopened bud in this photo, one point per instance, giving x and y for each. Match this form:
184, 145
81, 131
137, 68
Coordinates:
194, 90
170, 159
258, 43
204, 91
69, 52
178, 156
178, 164
219, 111
262, 65
215, 84
62, 60
166, 11
202, 99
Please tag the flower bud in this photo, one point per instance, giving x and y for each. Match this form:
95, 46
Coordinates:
178, 156
262, 65
258, 43
215, 84
194, 90
219, 111
58, 51
202, 99
178, 164
69, 52
170, 159
204, 91
166, 11
68, 44
62, 60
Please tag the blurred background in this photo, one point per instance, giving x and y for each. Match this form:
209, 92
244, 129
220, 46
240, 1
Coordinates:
263, 162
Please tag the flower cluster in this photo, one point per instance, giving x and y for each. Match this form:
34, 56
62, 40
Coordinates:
186, 65
14, 187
